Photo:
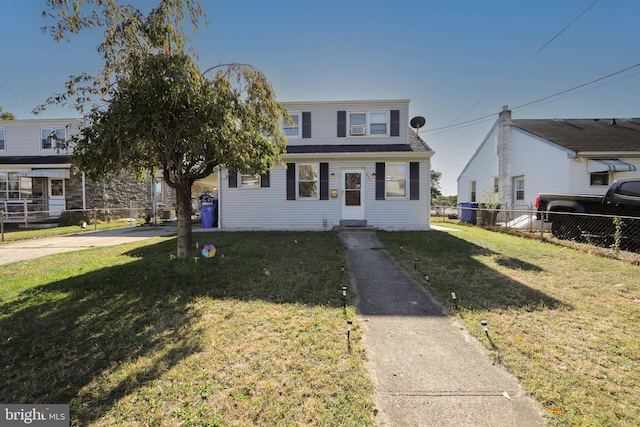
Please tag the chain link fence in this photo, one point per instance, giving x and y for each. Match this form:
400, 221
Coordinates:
613, 232
27, 224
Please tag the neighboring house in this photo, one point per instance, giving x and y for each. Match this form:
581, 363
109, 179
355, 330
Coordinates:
35, 172
521, 158
349, 163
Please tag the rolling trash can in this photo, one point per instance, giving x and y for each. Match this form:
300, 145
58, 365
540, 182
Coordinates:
207, 213
468, 212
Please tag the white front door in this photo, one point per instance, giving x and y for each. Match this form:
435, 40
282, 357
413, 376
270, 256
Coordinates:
56, 196
353, 194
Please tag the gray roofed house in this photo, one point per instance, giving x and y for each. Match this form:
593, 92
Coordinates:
521, 158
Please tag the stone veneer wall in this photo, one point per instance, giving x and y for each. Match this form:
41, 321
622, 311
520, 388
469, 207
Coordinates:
119, 192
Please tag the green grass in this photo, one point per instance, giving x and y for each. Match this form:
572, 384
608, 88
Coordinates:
129, 335
256, 335
565, 322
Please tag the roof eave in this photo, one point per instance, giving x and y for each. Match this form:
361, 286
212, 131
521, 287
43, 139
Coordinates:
606, 154
363, 155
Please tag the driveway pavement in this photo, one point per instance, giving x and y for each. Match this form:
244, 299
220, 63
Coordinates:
428, 370
23, 250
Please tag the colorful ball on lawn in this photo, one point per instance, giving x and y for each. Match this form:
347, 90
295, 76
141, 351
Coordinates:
208, 251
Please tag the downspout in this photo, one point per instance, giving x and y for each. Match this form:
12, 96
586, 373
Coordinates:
219, 173
84, 193
504, 155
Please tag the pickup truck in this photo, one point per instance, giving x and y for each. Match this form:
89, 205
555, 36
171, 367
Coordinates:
595, 214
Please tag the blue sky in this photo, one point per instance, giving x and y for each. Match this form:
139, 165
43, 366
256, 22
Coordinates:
457, 60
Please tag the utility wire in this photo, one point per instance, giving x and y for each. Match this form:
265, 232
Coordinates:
526, 61
576, 87
478, 119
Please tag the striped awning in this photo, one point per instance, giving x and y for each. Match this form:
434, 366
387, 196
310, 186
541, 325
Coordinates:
610, 165
46, 173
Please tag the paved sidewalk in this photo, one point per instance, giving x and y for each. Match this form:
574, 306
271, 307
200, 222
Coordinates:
23, 250
428, 370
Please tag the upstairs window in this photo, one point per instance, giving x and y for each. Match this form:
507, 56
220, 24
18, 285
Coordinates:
2, 145
357, 124
368, 123
52, 138
291, 129
378, 125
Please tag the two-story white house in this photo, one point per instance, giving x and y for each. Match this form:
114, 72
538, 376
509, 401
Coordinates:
349, 163
521, 158
36, 174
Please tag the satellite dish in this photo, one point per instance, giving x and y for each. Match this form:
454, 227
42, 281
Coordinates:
417, 122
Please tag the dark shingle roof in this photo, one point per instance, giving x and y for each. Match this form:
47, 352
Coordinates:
606, 135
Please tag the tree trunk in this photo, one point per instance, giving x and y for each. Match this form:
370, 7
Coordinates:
183, 213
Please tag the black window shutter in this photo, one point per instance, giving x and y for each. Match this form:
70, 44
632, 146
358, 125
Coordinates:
265, 179
233, 180
342, 124
324, 181
291, 181
395, 122
380, 181
306, 125
414, 180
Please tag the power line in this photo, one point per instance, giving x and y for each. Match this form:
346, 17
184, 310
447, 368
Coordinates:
527, 60
577, 87
478, 119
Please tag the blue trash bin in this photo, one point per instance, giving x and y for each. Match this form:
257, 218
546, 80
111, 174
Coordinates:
207, 213
468, 212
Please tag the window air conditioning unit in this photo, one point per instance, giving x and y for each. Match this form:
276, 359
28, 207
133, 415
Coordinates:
358, 130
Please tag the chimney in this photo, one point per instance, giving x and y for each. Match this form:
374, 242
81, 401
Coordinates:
505, 115
504, 154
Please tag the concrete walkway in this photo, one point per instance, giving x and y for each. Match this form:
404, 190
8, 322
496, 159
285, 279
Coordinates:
428, 371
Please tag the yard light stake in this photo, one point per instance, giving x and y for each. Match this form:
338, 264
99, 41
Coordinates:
336, 248
486, 330
401, 249
342, 270
344, 298
455, 300
415, 263
349, 322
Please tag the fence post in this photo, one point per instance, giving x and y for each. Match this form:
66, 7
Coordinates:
2, 225
26, 215
542, 226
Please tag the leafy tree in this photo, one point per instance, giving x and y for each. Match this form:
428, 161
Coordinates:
160, 112
435, 185
6, 116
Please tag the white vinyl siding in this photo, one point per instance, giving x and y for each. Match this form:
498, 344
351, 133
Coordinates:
23, 137
268, 208
323, 121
